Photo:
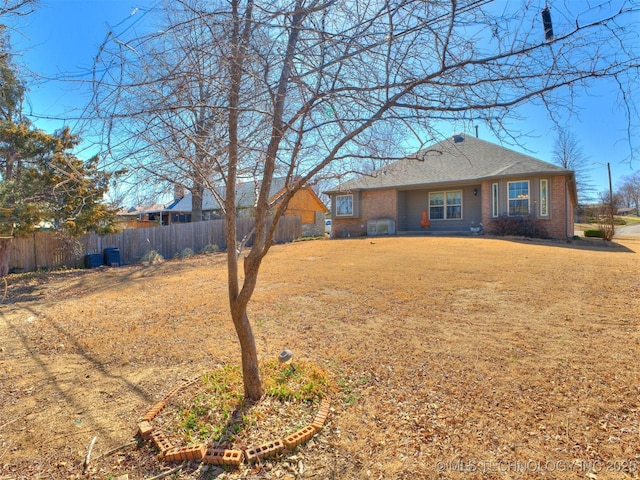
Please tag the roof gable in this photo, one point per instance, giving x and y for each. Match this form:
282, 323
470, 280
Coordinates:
304, 198
458, 159
141, 210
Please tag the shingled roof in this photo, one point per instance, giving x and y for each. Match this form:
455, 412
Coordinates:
459, 159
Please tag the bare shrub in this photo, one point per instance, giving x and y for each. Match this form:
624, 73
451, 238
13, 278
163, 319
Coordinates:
606, 223
527, 226
211, 248
152, 257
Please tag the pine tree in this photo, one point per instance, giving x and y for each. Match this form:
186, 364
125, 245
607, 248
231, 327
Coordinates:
41, 179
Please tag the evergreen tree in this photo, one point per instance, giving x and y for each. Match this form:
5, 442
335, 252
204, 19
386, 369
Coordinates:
41, 180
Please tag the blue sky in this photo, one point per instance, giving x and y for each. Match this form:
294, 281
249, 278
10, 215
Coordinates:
59, 43
60, 40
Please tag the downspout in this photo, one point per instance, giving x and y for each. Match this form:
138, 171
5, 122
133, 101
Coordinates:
566, 210
570, 231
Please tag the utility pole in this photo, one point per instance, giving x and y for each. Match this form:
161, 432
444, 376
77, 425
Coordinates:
611, 204
607, 225
610, 187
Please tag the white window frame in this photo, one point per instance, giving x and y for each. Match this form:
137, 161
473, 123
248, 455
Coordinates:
445, 205
344, 197
527, 198
544, 197
494, 201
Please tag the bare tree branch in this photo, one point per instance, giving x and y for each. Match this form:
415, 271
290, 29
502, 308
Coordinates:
309, 89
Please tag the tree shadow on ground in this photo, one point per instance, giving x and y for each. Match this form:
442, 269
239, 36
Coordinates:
50, 381
31, 286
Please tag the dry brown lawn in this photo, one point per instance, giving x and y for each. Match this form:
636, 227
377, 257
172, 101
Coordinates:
453, 358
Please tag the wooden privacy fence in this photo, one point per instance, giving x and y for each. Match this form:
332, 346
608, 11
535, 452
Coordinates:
53, 250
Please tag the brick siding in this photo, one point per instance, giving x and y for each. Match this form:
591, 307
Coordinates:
485, 189
561, 216
376, 204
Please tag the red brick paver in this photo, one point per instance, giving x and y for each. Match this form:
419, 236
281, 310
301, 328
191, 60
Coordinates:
178, 454
216, 456
154, 411
162, 442
266, 450
145, 429
300, 437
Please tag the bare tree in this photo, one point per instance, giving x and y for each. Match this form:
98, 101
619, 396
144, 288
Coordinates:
172, 107
17, 7
568, 154
609, 203
630, 191
309, 87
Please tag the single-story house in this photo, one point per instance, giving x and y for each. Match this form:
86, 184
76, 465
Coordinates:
143, 216
455, 187
626, 211
305, 203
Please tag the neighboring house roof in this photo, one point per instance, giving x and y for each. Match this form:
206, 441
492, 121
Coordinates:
458, 159
625, 210
140, 210
245, 197
245, 192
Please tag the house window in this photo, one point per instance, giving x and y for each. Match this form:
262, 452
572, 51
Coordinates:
454, 204
445, 205
494, 200
544, 198
344, 206
436, 206
518, 198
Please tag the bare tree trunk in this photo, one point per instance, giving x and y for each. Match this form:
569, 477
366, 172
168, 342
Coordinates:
238, 299
196, 201
5, 249
197, 192
250, 373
